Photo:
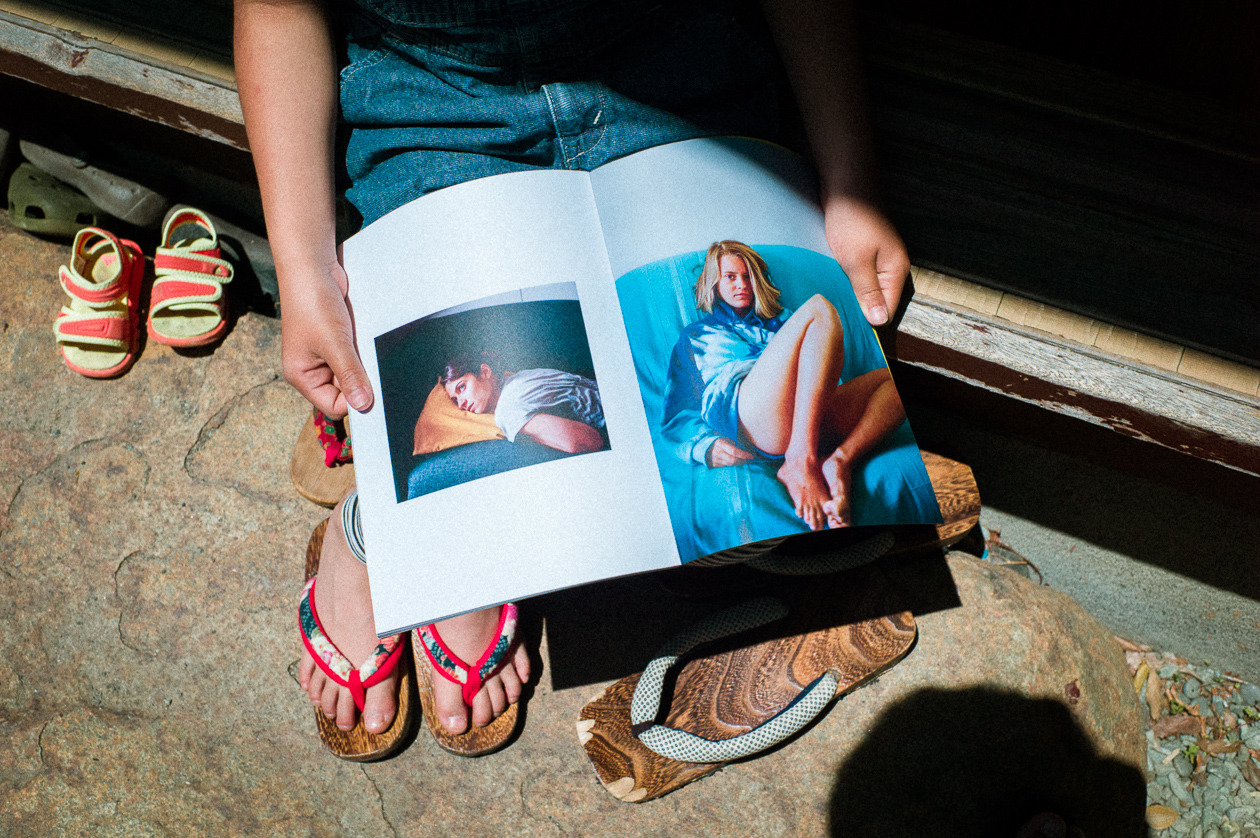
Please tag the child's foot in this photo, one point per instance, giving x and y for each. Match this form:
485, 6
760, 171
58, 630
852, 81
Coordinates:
344, 604
468, 636
838, 473
808, 490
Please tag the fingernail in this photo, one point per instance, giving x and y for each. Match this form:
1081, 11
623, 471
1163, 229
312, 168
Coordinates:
877, 315
359, 399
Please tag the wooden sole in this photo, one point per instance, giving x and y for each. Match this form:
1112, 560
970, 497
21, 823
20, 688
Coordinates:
318, 483
959, 499
726, 692
357, 744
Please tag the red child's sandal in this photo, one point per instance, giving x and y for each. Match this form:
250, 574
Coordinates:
188, 305
98, 330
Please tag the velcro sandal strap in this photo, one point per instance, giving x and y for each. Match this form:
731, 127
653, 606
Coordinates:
379, 666
683, 746
456, 670
107, 329
99, 246
92, 294
180, 261
171, 291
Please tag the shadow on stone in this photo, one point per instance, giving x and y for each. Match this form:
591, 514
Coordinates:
606, 631
979, 762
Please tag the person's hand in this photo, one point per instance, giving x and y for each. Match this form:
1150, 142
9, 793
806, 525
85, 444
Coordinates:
723, 452
318, 355
867, 246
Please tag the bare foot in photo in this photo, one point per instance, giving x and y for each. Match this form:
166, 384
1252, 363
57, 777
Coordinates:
838, 474
809, 492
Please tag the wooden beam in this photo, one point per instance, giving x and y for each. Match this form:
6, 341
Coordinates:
186, 98
1206, 420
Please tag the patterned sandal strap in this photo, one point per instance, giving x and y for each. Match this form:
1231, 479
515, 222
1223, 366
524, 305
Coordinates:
459, 671
824, 563
379, 665
334, 437
683, 746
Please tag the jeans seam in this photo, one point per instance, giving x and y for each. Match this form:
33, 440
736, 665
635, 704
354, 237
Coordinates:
555, 120
570, 160
353, 70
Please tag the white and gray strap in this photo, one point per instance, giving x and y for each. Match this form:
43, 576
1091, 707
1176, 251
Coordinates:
825, 562
688, 747
352, 525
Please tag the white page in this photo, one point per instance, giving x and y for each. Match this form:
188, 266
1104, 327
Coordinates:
747, 190
533, 529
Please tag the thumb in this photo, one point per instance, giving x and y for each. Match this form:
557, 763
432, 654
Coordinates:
348, 372
865, 281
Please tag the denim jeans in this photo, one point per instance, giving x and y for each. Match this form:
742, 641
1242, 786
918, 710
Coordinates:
438, 92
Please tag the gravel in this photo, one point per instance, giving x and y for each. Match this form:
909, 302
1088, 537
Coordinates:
1205, 783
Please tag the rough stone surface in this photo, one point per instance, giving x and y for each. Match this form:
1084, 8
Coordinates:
150, 561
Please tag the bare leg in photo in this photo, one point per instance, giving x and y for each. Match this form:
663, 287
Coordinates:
791, 405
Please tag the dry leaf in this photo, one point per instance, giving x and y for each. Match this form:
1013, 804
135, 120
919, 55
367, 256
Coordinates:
1228, 720
1155, 695
1179, 725
1128, 645
1160, 817
1218, 746
1139, 679
1251, 773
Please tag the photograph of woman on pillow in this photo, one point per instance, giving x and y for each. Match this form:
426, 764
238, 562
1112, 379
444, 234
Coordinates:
753, 380
559, 409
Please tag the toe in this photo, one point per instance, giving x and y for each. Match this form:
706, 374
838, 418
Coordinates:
482, 711
316, 687
328, 699
450, 706
379, 707
306, 667
511, 683
347, 713
498, 698
521, 661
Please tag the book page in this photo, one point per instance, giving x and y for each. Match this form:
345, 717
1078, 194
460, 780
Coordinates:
466, 502
681, 197
770, 403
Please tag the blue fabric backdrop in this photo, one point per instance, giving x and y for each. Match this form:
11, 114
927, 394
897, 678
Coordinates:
713, 509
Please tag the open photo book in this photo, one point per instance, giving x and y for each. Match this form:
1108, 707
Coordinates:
566, 393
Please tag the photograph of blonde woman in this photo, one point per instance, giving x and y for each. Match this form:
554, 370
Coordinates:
751, 379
